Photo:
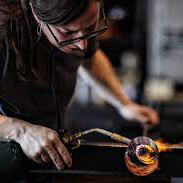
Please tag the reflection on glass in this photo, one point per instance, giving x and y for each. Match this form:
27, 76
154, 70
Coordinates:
141, 156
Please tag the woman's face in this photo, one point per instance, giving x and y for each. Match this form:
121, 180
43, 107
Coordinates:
84, 24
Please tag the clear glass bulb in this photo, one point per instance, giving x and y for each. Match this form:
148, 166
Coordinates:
141, 156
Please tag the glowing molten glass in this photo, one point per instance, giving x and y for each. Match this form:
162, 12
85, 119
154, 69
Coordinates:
141, 156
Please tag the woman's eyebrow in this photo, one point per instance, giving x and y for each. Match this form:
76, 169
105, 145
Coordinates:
74, 31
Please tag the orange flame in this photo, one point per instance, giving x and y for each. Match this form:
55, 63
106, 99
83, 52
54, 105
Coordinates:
164, 146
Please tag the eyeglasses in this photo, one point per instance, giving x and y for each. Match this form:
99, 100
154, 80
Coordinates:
85, 37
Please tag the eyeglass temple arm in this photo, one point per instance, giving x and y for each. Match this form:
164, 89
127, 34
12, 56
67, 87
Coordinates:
52, 33
104, 15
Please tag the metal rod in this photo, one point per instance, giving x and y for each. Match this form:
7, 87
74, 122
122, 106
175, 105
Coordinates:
113, 136
119, 145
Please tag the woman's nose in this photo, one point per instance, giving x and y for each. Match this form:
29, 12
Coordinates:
82, 44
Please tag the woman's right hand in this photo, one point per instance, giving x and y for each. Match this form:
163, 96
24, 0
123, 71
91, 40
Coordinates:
42, 144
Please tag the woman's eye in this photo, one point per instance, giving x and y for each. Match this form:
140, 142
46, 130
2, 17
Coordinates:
69, 33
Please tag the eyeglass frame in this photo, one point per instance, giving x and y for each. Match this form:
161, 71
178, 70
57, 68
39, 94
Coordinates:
85, 37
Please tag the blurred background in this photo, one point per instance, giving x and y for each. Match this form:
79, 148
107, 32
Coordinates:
145, 46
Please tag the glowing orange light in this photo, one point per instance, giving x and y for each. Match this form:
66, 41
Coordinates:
164, 147
146, 158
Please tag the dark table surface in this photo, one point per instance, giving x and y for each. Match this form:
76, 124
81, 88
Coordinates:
106, 164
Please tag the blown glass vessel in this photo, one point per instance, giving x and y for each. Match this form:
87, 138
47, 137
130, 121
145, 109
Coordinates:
141, 156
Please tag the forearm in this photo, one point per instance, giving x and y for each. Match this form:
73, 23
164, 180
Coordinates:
11, 128
102, 73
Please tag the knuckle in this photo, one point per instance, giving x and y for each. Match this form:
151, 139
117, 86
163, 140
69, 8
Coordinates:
56, 159
53, 136
64, 151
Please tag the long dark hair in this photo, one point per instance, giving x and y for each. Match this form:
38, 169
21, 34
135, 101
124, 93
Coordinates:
58, 12
18, 28
13, 33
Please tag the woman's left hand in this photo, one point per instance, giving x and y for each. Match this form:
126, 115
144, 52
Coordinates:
140, 113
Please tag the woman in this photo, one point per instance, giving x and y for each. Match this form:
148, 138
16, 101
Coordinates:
42, 43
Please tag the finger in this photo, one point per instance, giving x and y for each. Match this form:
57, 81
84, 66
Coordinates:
55, 157
63, 152
142, 118
45, 157
152, 115
155, 117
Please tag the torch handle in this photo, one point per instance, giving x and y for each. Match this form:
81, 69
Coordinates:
120, 138
113, 136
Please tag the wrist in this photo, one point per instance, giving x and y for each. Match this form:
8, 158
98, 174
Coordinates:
126, 102
18, 130
124, 99
13, 129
